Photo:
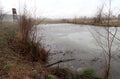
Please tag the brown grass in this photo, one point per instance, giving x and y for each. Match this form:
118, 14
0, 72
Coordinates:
29, 46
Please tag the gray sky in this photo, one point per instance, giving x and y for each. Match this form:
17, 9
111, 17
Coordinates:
60, 8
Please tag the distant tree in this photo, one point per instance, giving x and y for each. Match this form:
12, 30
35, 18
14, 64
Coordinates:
98, 18
118, 16
105, 40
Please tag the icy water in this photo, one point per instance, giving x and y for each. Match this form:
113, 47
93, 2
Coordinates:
70, 41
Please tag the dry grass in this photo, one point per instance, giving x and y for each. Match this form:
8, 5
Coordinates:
28, 44
17, 47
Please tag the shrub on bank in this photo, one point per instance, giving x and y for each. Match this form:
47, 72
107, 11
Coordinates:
88, 74
21, 38
64, 73
29, 46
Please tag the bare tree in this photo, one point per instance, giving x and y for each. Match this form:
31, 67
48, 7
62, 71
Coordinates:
105, 39
98, 18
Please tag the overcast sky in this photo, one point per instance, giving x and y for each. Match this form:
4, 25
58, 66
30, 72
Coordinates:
60, 8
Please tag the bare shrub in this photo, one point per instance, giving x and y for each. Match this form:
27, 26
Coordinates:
28, 44
106, 42
99, 16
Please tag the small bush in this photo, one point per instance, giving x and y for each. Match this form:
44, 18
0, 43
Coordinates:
63, 73
8, 67
28, 45
34, 74
7, 51
51, 77
88, 74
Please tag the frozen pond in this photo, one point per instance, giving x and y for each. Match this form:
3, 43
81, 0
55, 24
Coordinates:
67, 41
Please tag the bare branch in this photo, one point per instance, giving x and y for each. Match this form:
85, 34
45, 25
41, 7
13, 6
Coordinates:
60, 61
